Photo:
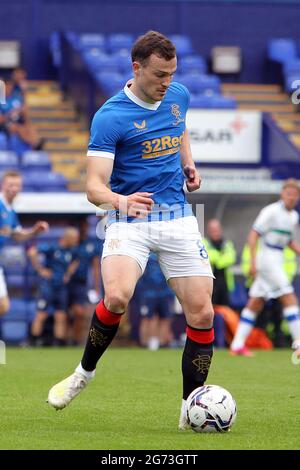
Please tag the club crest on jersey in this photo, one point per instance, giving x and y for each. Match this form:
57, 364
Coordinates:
177, 113
140, 126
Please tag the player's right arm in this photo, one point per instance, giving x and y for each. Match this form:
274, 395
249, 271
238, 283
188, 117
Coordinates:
99, 171
33, 255
252, 242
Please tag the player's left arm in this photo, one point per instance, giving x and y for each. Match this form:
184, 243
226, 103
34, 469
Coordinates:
72, 268
20, 234
193, 180
295, 247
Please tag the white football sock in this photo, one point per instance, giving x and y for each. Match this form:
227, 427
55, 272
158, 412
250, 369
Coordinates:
291, 314
244, 329
87, 374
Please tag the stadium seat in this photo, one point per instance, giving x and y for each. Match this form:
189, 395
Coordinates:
92, 40
8, 160
44, 181
36, 160
14, 331
102, 62
282, 50
111, 82
212, 101
183, 44
292, 66
116, 42
192, 63
199, 83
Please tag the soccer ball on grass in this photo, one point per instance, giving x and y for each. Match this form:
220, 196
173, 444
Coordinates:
211, 409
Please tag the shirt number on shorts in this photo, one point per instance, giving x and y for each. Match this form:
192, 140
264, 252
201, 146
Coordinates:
202, 250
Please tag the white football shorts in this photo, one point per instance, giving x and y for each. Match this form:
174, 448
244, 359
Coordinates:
177, 243
271, 284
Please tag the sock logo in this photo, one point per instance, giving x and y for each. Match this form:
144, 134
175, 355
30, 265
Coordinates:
202, 362
97, 338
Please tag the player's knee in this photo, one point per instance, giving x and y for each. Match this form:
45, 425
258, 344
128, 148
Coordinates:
116, 301
4, 305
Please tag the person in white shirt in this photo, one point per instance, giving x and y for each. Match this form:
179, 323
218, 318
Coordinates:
275, 226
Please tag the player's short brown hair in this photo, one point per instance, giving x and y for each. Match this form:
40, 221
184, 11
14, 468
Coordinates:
11, 174
152, 43
291, 183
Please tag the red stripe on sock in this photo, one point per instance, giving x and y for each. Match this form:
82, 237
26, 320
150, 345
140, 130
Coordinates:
107, 317
200, 336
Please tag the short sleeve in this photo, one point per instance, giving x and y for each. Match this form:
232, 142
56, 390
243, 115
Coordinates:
104, 135
262, 222
44, 248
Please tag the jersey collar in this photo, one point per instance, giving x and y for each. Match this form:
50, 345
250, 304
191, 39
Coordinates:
139, 102
5, 202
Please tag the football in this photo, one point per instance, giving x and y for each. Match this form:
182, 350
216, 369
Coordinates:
211, 409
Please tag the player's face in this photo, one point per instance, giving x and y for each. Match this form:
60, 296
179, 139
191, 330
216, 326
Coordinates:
11, 186
153, 79
290, 197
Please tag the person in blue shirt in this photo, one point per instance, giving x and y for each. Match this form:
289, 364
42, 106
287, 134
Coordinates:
88, 253
139, 144
10, 227
14, 118
60, 262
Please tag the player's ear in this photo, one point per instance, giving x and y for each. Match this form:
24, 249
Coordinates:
136, 66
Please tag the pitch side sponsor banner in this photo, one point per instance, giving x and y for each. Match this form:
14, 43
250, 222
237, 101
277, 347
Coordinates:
219, 136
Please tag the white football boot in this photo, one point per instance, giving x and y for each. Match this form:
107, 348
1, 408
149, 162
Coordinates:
183, 421
61, 394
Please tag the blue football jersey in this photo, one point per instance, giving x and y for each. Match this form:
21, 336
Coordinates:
8, 221
144, 140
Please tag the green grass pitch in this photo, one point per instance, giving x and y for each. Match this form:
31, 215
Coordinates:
134, 401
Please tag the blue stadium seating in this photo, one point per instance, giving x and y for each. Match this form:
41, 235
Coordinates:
8, 160
183, 44
36, 160
199, 83
111, 82
282, 50
212, 101
193, 64
44, 181
15, 324
116, 42
102, 62
92, 40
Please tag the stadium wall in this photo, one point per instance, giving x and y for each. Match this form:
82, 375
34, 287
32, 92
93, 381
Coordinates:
249, 24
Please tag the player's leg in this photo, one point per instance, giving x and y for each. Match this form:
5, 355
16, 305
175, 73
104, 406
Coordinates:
245, 326
291, 314
120, 275
185, 264
194, 294
37, 327
4, 299
60, 327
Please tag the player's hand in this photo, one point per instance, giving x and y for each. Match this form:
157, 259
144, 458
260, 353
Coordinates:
193, 179
6, 231
66, 278
45, 273
136, 205
40, 227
